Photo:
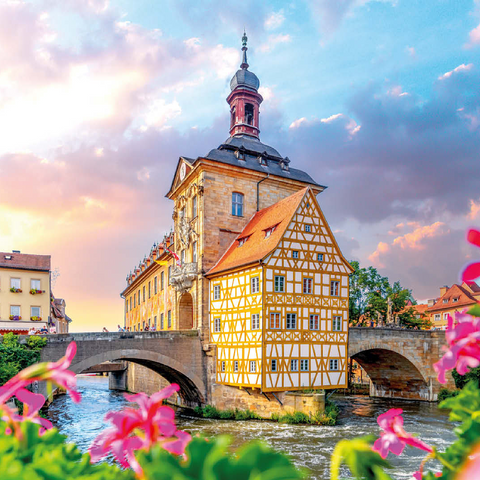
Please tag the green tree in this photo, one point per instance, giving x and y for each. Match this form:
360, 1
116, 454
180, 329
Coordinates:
369, 294
15, 356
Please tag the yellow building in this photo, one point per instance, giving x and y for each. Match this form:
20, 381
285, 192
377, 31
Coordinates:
24, 292
259, 272
279, 301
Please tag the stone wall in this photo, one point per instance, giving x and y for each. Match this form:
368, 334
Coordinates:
225, 397
143, 379
400, 362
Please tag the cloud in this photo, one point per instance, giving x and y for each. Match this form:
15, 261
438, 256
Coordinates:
474, 38
329, 15
411, 52
274, 20
474, 210
423, 259
460, 68
273, 41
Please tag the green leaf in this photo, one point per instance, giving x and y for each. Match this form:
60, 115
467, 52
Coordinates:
362, 461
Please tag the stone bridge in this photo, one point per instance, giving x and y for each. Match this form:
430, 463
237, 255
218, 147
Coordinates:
177, 356
399, 362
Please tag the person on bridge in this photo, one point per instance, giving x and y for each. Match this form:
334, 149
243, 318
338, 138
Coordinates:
105, 330
120, 329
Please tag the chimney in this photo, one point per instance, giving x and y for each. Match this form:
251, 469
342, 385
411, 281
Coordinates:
443, 290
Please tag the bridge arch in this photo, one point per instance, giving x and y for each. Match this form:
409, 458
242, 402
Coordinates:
392, 371
192, 388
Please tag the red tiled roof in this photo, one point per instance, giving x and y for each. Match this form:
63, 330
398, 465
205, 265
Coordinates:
257, 246
474, 287
24, 261
455, 291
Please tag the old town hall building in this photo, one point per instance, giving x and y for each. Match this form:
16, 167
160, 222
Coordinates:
252, 263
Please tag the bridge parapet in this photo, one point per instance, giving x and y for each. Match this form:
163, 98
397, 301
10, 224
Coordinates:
398, 361
176, 355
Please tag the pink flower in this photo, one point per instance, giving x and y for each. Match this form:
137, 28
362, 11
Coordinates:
472, 271
464, 347
471, 468
394, 437
140, 428
55, 372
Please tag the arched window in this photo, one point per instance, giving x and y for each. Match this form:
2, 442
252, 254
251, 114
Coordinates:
232, 117
237, 204
249, 113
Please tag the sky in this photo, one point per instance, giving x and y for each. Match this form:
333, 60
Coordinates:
378, 100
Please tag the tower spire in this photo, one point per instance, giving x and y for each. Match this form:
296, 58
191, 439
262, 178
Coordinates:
244, 64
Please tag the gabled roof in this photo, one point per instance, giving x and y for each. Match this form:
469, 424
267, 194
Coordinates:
25, 261
257, 246
465, 299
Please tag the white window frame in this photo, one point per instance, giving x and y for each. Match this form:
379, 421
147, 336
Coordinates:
35, 284
19, 314
334, 288
217, 325
291, 321
255, 321
39, 314
304, 365
445, 300
194, 252
14, 283
295, 254
294, 365
255, 285
216, 292
237, 204
253, 366
278, 317
309, 284
313, 320
337, 323
437, 317
194, 206
280, 282
273, 364
333, 364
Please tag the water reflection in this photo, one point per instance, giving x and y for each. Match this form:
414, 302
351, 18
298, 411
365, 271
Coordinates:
309, 446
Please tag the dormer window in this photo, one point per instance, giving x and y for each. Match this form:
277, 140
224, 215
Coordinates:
445, 300
284, 164
262, 159
455, 300
240, 154
269, 231
249, 114
242, 241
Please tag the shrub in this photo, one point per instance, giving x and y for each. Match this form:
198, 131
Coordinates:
446, 393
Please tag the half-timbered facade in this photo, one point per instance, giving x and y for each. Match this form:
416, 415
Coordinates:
279, 301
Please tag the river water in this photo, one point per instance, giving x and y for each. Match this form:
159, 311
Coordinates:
308, 446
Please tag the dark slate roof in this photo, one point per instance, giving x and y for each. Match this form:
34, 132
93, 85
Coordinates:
252, 148
244, 77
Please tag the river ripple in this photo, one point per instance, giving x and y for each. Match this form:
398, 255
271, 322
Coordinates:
308, 446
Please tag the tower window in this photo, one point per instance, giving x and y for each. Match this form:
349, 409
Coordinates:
249, 113
273, 363
232, 118
237, 204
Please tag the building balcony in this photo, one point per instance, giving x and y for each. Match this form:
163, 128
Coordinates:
182, 277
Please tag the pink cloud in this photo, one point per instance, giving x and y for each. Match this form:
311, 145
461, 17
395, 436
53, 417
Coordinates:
459, 69
473, 38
